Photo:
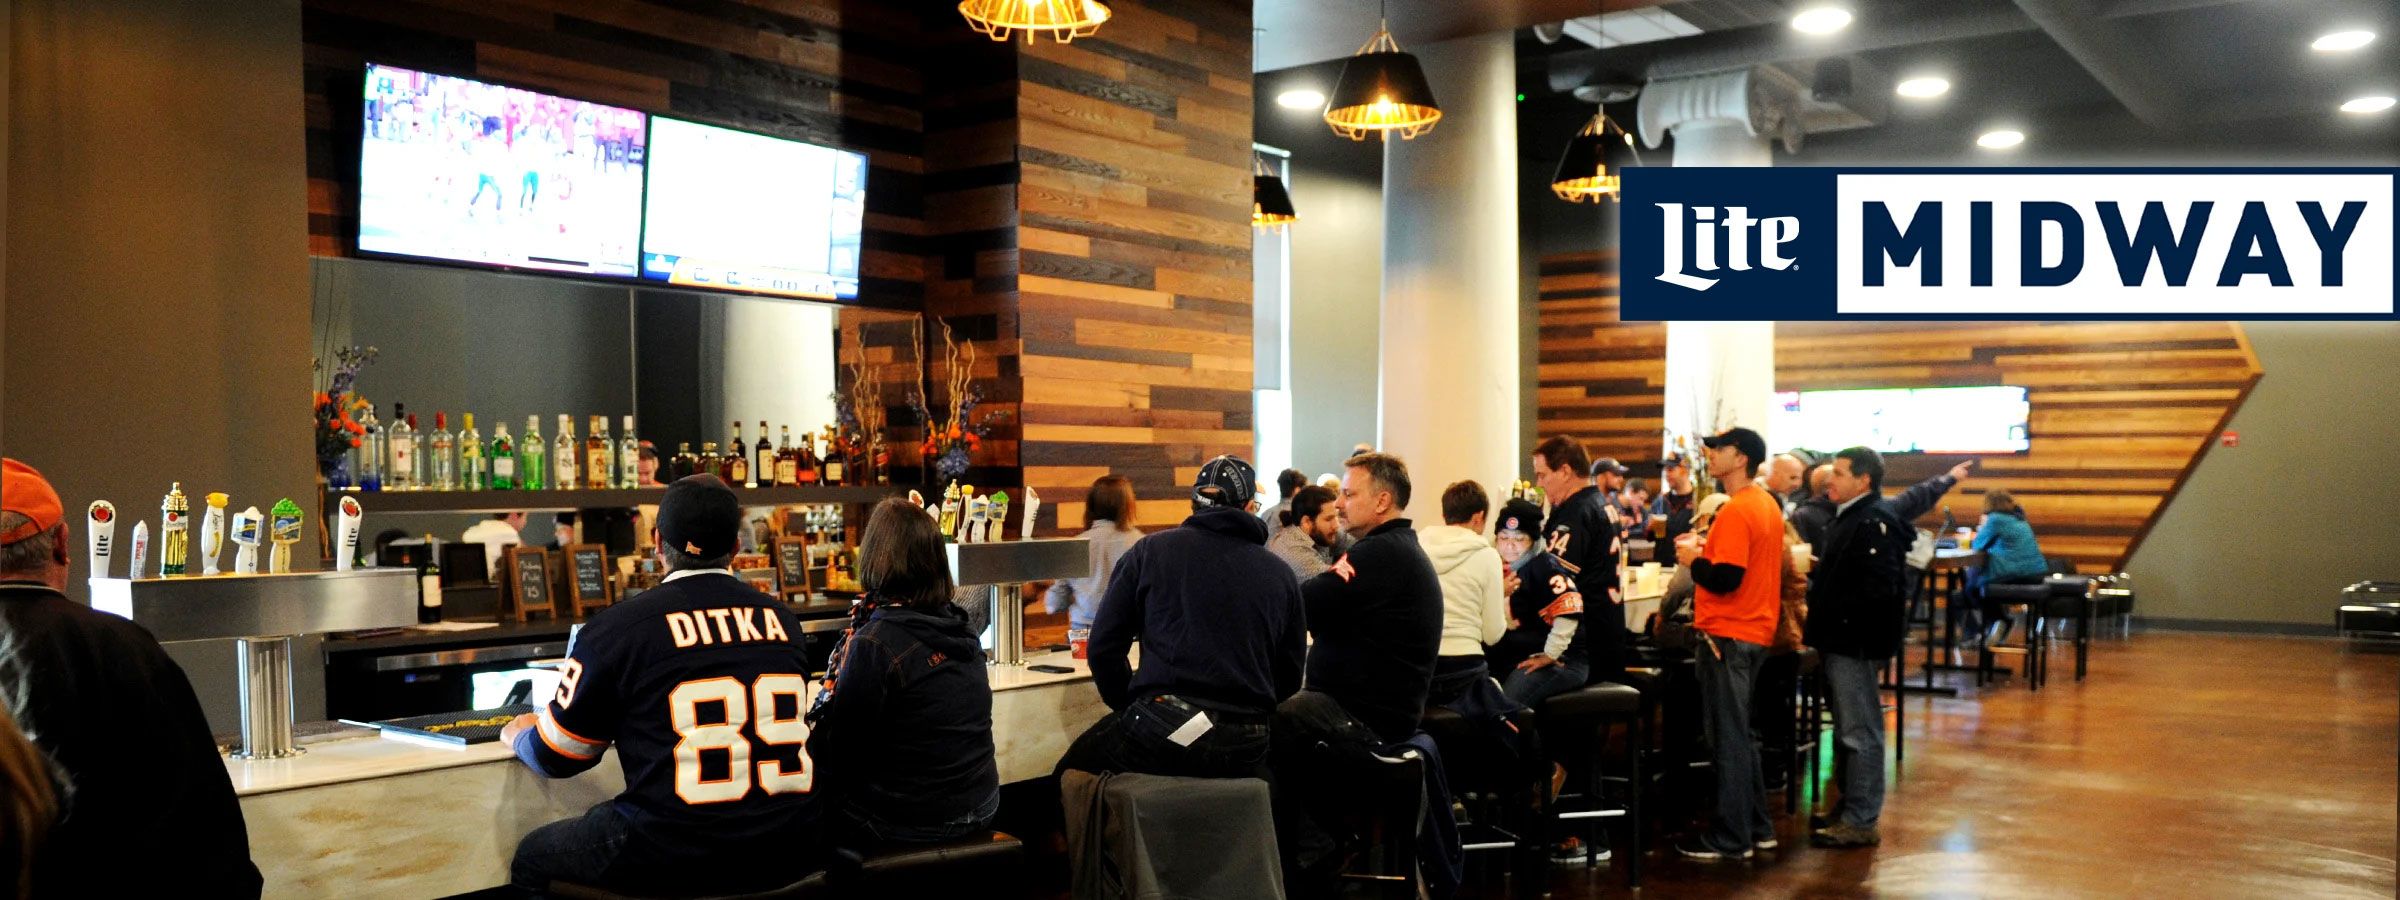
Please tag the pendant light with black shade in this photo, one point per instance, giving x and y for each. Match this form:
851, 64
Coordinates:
1382, 90
1270, 204
1583, 173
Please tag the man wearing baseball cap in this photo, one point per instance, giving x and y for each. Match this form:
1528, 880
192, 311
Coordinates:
136, 766
700, 684
1737, 573
1219, 620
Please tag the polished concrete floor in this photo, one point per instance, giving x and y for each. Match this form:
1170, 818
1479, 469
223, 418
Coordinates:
2186, 766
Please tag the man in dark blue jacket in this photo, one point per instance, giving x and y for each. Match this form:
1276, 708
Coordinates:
1223, 640
1855, 592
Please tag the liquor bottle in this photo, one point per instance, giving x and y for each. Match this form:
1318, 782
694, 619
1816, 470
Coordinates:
737, 460
599, 470
504, 459
473, 467
370, 453
629, 458
429, 584
808, 460
563, 456
444, 447
686, 464
764, 467
400, 476
837, 463
879, 458
532, 457
711, 461
787, 461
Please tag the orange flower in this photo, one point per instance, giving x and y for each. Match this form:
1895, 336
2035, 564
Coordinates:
355, 428
323, 400
954, 432
354, 442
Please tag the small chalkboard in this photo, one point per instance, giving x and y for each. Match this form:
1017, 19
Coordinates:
528, 584
791, 564
587, 574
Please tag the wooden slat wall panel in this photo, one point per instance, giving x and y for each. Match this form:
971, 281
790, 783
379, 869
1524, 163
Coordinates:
2121, 411
1134, 311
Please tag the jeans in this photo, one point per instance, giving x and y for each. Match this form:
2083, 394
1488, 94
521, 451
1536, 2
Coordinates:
1530, 688
581, 850
867, 831
1728, 672
1858, 731
1137, 739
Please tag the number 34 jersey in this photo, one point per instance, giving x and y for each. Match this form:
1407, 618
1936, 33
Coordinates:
700, 683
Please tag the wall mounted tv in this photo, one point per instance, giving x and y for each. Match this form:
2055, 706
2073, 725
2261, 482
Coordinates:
1962, 420
460, 170
740, 211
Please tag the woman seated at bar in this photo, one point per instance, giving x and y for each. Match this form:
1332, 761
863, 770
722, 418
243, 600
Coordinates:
1513, 534
902, 732
1108, 524
2011, 555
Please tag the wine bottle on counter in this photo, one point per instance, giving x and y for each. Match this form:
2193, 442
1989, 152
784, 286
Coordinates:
599, 471
532, 457
629, 458
504, 459
429, 584
563, 452
473, 466
737, 460
762, 465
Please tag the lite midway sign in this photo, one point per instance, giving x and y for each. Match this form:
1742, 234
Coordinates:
2136, 243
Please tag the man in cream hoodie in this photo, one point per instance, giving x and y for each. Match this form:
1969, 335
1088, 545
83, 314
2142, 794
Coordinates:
1474, 608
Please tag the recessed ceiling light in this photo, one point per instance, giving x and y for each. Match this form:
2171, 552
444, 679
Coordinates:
2364, 105
1927, 86
2339, 41
1821, 20
2000, 140
1301, 98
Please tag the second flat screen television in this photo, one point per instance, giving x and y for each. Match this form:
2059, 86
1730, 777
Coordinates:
1979, 420
739, 211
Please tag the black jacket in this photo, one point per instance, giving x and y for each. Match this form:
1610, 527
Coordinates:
1582, 539
907, 740
1860, 579
146, 808
1218, 615
1815, 514
1377, 619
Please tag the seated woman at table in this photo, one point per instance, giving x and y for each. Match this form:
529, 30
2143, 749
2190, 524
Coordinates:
902, 733
1513, 534
2011, 555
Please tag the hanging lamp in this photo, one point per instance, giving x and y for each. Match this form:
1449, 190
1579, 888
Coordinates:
1583, 172
1270, 205
1063, 20
1382, 90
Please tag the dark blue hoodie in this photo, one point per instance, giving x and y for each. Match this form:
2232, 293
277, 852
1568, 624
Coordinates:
1219, 617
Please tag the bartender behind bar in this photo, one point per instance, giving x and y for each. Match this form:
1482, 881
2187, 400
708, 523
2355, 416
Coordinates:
141, 803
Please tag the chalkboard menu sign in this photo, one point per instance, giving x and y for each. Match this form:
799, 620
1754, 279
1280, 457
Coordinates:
791, 564
528, 584
587, 577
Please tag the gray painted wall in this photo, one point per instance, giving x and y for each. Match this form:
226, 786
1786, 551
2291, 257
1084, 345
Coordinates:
1337, 254
2272, 530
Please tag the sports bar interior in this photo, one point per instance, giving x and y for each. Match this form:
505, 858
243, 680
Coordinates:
2136, 578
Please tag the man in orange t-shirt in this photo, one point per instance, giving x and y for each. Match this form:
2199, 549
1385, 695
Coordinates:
1738, 575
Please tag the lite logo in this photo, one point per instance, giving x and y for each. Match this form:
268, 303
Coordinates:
1703, 225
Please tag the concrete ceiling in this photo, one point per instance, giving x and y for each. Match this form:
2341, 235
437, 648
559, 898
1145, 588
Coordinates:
1299, 32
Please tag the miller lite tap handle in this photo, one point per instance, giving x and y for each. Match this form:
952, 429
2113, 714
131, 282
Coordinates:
212, 533
346, 534
245, 541
100, 526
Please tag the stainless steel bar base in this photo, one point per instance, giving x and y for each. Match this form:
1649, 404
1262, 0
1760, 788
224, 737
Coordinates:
266, 684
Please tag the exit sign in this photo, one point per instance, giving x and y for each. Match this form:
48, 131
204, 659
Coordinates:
2230, 438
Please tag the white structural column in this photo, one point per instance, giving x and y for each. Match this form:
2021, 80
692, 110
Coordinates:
1447, 397
1719, 374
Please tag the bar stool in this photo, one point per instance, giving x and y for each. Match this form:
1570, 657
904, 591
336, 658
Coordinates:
1502, 796
2024, 598
1808, 729
987, 865
1593, 712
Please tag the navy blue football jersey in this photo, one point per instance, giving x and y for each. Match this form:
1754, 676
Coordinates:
700, 683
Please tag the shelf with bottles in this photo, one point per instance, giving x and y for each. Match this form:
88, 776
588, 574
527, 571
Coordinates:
402, 457
555, 500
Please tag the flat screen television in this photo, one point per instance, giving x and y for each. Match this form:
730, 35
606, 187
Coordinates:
465, 171
738, 211
1964, 420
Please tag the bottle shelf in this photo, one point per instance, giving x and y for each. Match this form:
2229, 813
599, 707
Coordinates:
557, 500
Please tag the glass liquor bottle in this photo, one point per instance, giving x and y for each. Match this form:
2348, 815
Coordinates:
444, 448
532, 457
599, 469
504, 459
400, 474
711, 461
370, 453
763, 467
474, 468
787, 461
837, 463
808, 460
737, 460
563, 454
686, 464
629, 457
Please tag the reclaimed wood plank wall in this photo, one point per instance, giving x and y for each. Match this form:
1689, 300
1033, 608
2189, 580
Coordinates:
2121, 411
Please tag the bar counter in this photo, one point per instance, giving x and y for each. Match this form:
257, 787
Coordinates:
359, 816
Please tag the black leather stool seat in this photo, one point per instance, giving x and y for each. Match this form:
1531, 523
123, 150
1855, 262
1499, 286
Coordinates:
980, 866
1607, 698
2017, 594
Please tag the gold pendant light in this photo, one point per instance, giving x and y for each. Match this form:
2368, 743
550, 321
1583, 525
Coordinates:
1382, 90
1063, 20
1583, 172
1270, 205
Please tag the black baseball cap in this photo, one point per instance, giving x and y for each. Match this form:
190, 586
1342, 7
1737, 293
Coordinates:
700, 517
1225, 481
1671, 462
1610, 465
1742, 439
1521, 516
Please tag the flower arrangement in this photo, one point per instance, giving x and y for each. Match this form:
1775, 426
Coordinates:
338, 409
952, 439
